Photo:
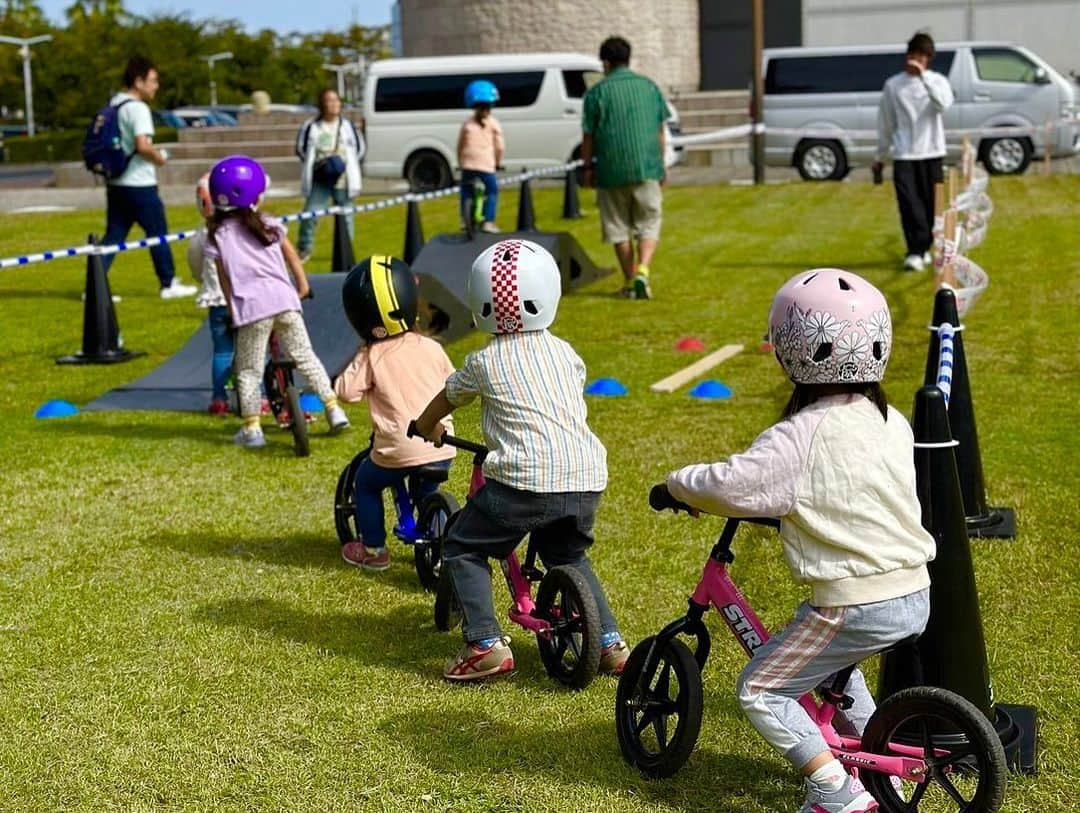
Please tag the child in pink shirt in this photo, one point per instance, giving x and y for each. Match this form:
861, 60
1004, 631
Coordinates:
399, 371
480, 152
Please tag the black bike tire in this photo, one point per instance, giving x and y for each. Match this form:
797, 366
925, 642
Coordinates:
345, 500
670, 759
930, 701
447, 611
301, 445
427, 555
566, 579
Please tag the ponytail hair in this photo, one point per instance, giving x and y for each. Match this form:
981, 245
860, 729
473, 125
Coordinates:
249, 218
805, 394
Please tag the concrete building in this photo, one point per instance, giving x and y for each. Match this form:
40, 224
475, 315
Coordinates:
705, 44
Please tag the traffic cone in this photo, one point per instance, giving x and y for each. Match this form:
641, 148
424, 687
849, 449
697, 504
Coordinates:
951, 653
571, 208
343, 251
101, 342
526, 220
982, 520
414, 233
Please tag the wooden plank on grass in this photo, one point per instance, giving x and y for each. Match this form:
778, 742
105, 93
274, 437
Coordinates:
702, 365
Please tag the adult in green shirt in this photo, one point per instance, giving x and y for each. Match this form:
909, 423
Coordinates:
623, 126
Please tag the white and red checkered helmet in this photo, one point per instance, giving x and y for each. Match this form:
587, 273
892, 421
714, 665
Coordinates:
514, 286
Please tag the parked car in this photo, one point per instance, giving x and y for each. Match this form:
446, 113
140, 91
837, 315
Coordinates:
205, 117
996, 84
414, 108
167, 118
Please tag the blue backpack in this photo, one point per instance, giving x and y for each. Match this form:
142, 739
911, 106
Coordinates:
102, 150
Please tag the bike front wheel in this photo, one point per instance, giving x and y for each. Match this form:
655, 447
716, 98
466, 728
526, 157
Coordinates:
298, 425
965, 761
570, 650
434, 517
658, 708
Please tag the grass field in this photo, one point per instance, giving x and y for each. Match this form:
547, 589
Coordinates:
177, 631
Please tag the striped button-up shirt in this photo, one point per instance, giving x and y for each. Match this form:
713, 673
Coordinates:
532, 413
623, 113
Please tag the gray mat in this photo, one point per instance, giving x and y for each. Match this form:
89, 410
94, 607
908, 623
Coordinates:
182, 382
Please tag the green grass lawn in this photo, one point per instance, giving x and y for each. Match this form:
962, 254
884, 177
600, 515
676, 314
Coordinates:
178, 632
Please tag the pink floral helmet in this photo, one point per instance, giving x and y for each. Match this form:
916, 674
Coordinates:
830, 327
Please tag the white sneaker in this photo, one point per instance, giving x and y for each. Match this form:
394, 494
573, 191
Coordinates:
337, 419
177, 290
913, 262
490, 228
250, 438
305, 256
928, 258
851, 798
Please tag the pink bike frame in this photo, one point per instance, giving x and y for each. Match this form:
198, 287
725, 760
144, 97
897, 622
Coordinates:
717, 589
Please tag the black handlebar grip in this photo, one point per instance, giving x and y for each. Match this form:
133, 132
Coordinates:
411, 431
660, 499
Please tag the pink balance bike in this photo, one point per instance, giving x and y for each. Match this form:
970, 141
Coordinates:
563, 617
924, 748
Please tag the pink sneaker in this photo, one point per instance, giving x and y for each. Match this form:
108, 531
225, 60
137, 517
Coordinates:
613, 659
264, 407
357, 554
219, 407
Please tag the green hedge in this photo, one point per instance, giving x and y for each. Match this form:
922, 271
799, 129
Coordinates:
61, 145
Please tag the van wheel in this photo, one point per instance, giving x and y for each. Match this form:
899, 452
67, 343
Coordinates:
819, 160
1005, 156
426, 170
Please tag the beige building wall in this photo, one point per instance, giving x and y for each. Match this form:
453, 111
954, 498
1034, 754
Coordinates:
663, 35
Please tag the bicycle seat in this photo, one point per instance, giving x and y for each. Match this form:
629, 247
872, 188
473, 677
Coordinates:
433, 473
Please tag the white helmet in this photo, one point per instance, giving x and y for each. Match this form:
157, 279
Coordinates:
514, 286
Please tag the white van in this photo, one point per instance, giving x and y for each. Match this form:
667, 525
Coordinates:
414, 108
996, 84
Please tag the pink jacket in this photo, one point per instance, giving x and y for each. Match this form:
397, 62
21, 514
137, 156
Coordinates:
842, 481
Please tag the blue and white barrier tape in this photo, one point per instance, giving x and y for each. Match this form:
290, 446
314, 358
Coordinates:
150, 242
946, 332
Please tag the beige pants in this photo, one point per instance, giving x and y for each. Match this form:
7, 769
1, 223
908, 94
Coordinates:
251, 358
627, 211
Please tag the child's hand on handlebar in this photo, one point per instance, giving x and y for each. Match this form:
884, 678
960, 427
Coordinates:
661, 499
432, 434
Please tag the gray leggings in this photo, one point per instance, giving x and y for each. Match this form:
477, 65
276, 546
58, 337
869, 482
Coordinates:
807, 653
251, 358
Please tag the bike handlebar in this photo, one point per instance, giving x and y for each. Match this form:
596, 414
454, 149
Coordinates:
660, 499
449, 440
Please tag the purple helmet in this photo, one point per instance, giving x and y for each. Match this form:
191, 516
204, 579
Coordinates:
236, 182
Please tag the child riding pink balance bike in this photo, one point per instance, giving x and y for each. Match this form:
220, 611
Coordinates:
924, 748
564, 616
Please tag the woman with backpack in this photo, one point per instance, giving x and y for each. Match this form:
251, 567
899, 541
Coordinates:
330, 148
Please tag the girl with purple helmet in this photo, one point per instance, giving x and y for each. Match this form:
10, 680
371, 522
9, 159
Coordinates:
263, 281
838, 470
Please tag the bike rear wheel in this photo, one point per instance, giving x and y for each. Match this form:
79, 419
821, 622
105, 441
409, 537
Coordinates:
434, 517
968, 778
658, 712
345, 500
571, 649
298, 425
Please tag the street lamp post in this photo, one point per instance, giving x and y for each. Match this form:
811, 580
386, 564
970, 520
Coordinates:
24, 44
340, 70
210, 60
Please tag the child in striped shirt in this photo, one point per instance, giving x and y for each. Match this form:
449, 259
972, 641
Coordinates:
545, 470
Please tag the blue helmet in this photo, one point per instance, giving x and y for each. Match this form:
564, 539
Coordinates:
481, 91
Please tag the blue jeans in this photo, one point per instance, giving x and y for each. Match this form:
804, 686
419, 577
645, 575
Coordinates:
371, 480
493, 522
491, 193
319, 197
221, 334
128, 205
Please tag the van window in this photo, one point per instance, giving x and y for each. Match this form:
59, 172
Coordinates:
840, 73
577, 82
1004, 65
395, 94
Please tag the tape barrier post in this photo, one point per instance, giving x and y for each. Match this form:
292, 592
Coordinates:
101, 340
571, 206
526, 216
343, 250
414, 232
948, 250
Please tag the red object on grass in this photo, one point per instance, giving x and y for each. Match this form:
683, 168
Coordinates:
690, 343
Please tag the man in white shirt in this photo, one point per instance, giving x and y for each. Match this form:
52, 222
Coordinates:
132, 197
910, 124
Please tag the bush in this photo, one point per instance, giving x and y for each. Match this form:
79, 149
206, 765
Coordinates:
59, 145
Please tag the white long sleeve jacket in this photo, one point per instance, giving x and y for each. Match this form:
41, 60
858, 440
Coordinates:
910, 116
842, 482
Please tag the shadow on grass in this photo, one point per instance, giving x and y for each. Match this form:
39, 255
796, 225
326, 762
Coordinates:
395, 639
473, 744
278, 442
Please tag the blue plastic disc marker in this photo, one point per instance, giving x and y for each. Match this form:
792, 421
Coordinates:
310, 402
711, 390
56, 409
609, 387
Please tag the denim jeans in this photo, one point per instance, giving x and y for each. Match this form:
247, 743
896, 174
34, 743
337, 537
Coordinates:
491, 193
493, 522
319, 197
221, 334
371, 480
128, 205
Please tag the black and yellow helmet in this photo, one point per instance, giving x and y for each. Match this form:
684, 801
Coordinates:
380, 296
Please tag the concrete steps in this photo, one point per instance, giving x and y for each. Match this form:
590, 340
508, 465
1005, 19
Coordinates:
712, 100
242, 134
184, 171
708, 110
213, 151
274, 117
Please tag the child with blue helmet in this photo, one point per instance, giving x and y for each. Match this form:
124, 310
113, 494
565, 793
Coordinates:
480, 150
